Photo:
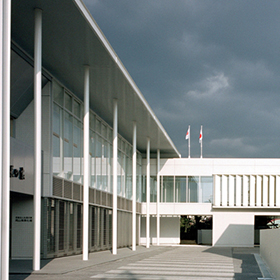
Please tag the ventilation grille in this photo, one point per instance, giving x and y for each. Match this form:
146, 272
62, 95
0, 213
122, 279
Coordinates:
91, 195
66, 189
57, 187
77, 192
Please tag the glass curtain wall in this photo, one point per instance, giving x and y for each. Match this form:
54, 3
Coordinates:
179, 189
68, 147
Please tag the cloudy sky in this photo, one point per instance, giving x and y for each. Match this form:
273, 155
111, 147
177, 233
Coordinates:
197, 62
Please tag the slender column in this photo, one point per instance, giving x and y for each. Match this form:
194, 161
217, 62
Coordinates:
252, 190
148, 196
38, 136
231, 190
86, 165
259, 190
6, 90
1, 122
224, 190
115, 176
271, 190
265, 190
134, 165
245, 190
238, 190
158, 185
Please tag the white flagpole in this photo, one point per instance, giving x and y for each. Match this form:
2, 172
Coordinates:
201, 137
189, 141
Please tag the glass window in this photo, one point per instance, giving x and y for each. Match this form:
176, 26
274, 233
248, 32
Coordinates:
77, 109
144, 198
68, 145
193, 184
77, 151
138, 183
104, 166
98, 161
92, 161
68, 101
180, 189
57, 93
104, 131
153, 189
57, 156
110, 136
167, 189
207, 189
92, 121
98, 126
128, 178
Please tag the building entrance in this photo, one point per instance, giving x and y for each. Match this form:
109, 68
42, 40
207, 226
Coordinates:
196, 230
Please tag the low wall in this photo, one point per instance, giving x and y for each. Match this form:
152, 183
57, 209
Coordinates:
270, 249
233, 229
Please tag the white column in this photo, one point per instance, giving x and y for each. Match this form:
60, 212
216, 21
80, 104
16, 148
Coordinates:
115, 176
259, 190
224, 190
1, 122
217, 191
252, 190
134, 166
271, 190
238, 190
37, 136
277, 190
148, 196
158, 192
245, 190
265, 190
6, 90
86, 165
231, 190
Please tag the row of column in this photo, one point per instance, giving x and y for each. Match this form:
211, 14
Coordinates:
247, 190
5, 95
5, 29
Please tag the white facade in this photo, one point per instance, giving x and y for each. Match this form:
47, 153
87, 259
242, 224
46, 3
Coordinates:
241, 190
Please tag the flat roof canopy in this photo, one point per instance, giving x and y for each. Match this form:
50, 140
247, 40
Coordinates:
72, 39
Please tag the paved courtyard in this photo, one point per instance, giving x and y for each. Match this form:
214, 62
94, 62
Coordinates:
157, 263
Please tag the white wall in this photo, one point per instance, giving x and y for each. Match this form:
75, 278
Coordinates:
179, 208
210, 166
22, 156
270, 249
169, 230
234, 229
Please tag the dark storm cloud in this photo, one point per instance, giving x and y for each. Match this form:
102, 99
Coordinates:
214, 63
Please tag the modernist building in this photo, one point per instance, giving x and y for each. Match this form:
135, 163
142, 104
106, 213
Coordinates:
85, 160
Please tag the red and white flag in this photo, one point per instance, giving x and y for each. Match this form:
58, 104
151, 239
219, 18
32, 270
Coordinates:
200, 135
188, 134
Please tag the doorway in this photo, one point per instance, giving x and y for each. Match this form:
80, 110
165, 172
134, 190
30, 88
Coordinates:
196, 229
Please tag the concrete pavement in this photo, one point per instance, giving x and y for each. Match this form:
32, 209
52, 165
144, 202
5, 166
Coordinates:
165, 262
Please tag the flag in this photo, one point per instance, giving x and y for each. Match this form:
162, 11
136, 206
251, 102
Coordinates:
200, 135
188, 134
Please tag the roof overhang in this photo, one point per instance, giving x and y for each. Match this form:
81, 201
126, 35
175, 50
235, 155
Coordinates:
72, 39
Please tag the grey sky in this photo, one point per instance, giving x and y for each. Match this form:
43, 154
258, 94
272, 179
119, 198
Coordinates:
211, 63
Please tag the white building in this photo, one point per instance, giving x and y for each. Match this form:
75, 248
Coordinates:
85, 160
238, 194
